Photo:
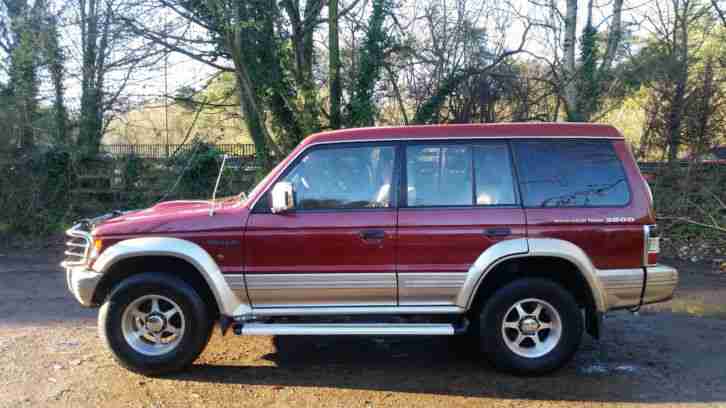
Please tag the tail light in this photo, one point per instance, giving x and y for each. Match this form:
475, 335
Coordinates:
652, 245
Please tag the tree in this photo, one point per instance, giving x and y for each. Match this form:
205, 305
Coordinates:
581, 82
110, 54
19, 30
270, 48
671, 55
448, 55
334, 64
54, 60
29, 39
362, 110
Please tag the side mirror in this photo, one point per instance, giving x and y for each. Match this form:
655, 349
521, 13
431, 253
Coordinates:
282, 197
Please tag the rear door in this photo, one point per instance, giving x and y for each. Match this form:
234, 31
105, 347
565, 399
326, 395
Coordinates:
337, 247
458, 199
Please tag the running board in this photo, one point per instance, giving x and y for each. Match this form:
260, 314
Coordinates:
348, 329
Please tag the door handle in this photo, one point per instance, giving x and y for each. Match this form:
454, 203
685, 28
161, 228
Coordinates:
372, 235
498, 232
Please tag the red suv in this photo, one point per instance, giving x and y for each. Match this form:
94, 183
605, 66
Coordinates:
519, 236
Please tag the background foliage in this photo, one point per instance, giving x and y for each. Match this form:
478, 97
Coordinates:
78, 73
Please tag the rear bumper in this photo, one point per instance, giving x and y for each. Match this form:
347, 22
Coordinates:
661, 282
82, 283
625, 288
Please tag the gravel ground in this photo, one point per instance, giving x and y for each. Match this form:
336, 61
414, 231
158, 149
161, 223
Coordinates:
50, 355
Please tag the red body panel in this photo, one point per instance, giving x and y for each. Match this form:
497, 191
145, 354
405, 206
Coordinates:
320, 242
450, 240
220, 235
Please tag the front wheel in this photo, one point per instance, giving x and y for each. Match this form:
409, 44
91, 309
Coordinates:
154, 323
531, 326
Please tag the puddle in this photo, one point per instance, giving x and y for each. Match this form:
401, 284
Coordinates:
602, 368
698, 307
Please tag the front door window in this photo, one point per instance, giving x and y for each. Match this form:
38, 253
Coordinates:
343, 178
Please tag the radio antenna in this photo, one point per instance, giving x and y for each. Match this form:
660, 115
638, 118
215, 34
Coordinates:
216, 185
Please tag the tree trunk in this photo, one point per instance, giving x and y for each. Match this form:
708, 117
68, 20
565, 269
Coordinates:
680, 54
614, 37
303, 29
24, 82
54, 60
362, 108
570, 74
334, 64
90, 98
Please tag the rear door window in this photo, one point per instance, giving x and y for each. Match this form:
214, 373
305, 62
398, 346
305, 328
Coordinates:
560, 173
459, 175
439, 175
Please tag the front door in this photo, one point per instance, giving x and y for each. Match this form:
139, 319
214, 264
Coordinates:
458, 200
337, 247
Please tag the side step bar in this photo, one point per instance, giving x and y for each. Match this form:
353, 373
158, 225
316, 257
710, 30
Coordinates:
348, 329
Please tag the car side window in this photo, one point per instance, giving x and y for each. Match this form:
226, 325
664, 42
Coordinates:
570, 174
447, 175
344, 178
493, 175
439, 175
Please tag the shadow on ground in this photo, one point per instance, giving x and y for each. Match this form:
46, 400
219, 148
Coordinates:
613, 370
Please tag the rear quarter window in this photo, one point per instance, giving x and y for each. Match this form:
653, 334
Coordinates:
570, 173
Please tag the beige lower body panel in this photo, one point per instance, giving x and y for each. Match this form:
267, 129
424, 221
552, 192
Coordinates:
425, 288
622, 287
349, 289
322, 289
660, 284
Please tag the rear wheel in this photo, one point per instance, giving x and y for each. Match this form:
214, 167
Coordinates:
154, 323
531, 326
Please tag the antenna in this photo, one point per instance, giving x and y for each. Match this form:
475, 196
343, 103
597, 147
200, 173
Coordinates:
216, 185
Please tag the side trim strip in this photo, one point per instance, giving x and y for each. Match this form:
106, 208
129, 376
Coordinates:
321, 281
355, 310
350, 329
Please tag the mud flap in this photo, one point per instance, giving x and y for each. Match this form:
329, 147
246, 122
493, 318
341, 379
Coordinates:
593, 322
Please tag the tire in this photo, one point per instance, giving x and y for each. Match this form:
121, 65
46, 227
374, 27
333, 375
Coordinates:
129, 310
513, 348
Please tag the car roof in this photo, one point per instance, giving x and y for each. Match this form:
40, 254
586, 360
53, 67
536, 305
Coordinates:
474, 131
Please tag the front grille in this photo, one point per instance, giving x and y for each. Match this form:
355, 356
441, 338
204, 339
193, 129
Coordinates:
78, 247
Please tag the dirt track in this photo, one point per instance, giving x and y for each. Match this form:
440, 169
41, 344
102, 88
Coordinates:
50, 355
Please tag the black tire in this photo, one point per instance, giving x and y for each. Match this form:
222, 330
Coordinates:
198, 325
491, 320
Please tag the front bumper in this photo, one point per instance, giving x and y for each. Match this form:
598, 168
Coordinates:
82, 283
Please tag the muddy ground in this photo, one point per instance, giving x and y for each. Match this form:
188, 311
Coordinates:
50, 355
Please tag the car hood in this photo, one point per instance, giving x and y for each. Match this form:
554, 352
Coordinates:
176, 217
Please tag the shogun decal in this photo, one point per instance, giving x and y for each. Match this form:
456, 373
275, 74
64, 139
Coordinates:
606, 220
